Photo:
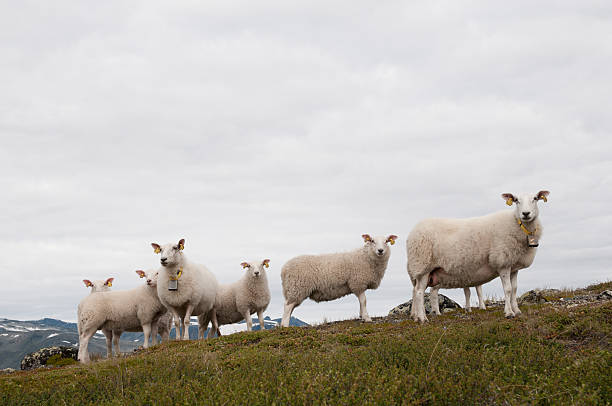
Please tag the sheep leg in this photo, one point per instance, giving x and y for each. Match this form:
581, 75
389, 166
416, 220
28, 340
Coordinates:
177, 324
507, 285
249, 321
434, 300
146, 329
419, 299
203, 321
287, 314
154, 329
186, 321
262, 326
84, 337
363, 311
109, 342
481, 303
413, 307
215, 323
466, 292
513, 301
116, 337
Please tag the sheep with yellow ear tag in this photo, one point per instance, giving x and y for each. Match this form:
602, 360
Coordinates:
453, 253
184, 287
330, 276
239, 300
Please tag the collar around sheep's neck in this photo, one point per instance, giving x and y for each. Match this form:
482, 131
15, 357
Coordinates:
520, 223
178, 275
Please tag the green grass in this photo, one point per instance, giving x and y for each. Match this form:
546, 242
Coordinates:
550, 355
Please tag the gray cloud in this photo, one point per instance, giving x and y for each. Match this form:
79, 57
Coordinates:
281, 129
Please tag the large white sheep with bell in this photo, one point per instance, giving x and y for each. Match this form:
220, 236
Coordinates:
459, 253
185, 288
239, 300
331, 276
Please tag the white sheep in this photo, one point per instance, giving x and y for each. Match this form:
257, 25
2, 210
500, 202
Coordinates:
119, 311
99, 285
237, 301
460, 253
331, 276
163, 325
102, 286
435, 305
185, 288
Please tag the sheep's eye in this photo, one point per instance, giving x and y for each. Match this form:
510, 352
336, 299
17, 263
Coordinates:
175, 248
535, 198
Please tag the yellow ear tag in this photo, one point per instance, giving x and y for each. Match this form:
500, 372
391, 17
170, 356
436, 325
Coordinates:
544, 198
392, 242
110, 284
181, 247
267, 265
509, 201
157, 250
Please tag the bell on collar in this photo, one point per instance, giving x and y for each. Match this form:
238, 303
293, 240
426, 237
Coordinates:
532, 241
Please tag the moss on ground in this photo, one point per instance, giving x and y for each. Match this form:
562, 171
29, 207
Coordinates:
550, 355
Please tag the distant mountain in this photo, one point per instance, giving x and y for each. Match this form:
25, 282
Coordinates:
18, 338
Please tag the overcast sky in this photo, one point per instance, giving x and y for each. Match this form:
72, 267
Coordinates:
282, 128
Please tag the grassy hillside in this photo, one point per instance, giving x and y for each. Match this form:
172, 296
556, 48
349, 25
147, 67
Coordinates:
551, 355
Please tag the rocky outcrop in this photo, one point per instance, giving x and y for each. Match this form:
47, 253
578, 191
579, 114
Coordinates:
446, 305
49, 356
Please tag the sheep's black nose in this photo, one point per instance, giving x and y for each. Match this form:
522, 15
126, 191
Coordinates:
380, 250
164, 259
257, 273
526, 213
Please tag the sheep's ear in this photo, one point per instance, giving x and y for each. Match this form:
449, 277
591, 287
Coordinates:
543, 194
181, 244
109, 282
266, 263
391, 239
87, 283
509, 198
244, 264
366, 237
156, 247
141, 273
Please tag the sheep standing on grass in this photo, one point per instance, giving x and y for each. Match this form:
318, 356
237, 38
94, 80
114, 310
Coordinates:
459, 253
238, 300
102, 286
331, 276
185, 288
162, 326
435, 304
119, 311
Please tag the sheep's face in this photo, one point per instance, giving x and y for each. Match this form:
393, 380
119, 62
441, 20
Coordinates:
526, 204
99, 286
378, 245
150, 276
170, 254
256, 269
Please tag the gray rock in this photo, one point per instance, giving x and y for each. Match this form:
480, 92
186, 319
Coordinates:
536, 296
446, 305
7, 371
39, 358
605, 295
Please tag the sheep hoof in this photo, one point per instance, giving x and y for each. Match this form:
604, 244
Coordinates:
367, 319
510, 315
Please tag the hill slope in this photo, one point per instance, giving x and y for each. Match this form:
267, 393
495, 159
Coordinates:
552, 355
